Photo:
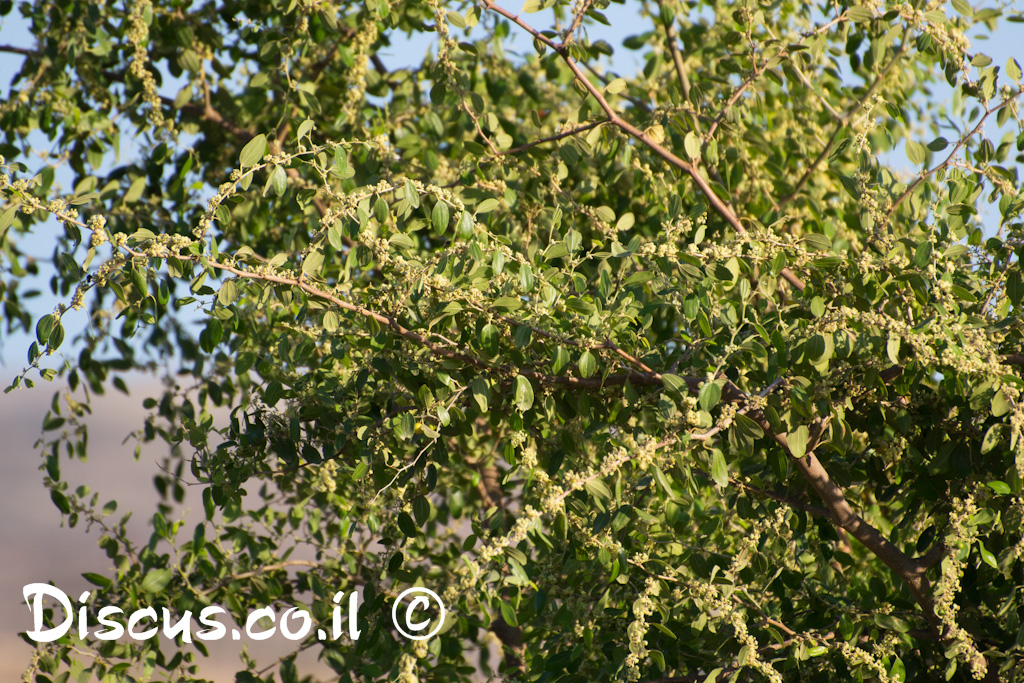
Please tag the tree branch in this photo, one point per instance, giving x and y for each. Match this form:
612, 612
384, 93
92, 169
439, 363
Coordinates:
24, 52
949, 159
576, 21
842, 122
210, 114
559, 136
910, 570
716, 202
672, 38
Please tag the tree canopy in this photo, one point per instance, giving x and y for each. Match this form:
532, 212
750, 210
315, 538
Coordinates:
706, 372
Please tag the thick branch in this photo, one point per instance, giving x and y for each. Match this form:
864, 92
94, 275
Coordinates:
910, 570
24, 52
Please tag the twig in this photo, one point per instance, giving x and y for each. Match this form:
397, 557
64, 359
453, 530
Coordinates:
552, 138
576, 21
672, 38
256, 572
949, 159
613, 117
841, 123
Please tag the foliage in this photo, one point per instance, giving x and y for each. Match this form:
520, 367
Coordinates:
668, 376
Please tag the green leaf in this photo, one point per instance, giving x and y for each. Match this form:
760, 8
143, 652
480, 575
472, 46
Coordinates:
7, 218
44, 327
312, 263
963, 7
598, 489
993, 437
556, 250
747, 426
892, 348
719, 469
489, 338
615, 86
675, 384
987, 556
860, 14
523, 335
481, 393
60, 501
818, 306
963, 294
156, 580
1000, 403
1014, 287
625, 222
97, 579
380, 210
228, 293
797, 441
404, 426
508, 303
709, 395
587, 364
560, 360
466, 223
999, 487
526, 279
816, 242
828, 262
487, 205
254, 151
455, 19
279, 180
507, 613
638, 278
523, 393
421, 509
923, 254
1013, 69
691, 145
439, 217
407, 526
916, 152
412, 195
135, 190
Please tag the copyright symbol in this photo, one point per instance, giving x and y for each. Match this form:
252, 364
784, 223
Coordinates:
421, 601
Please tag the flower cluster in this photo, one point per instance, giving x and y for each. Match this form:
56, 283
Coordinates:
138, 36
326, 481
959, 538
643, 607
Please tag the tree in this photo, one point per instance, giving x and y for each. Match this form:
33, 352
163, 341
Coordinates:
666, 376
